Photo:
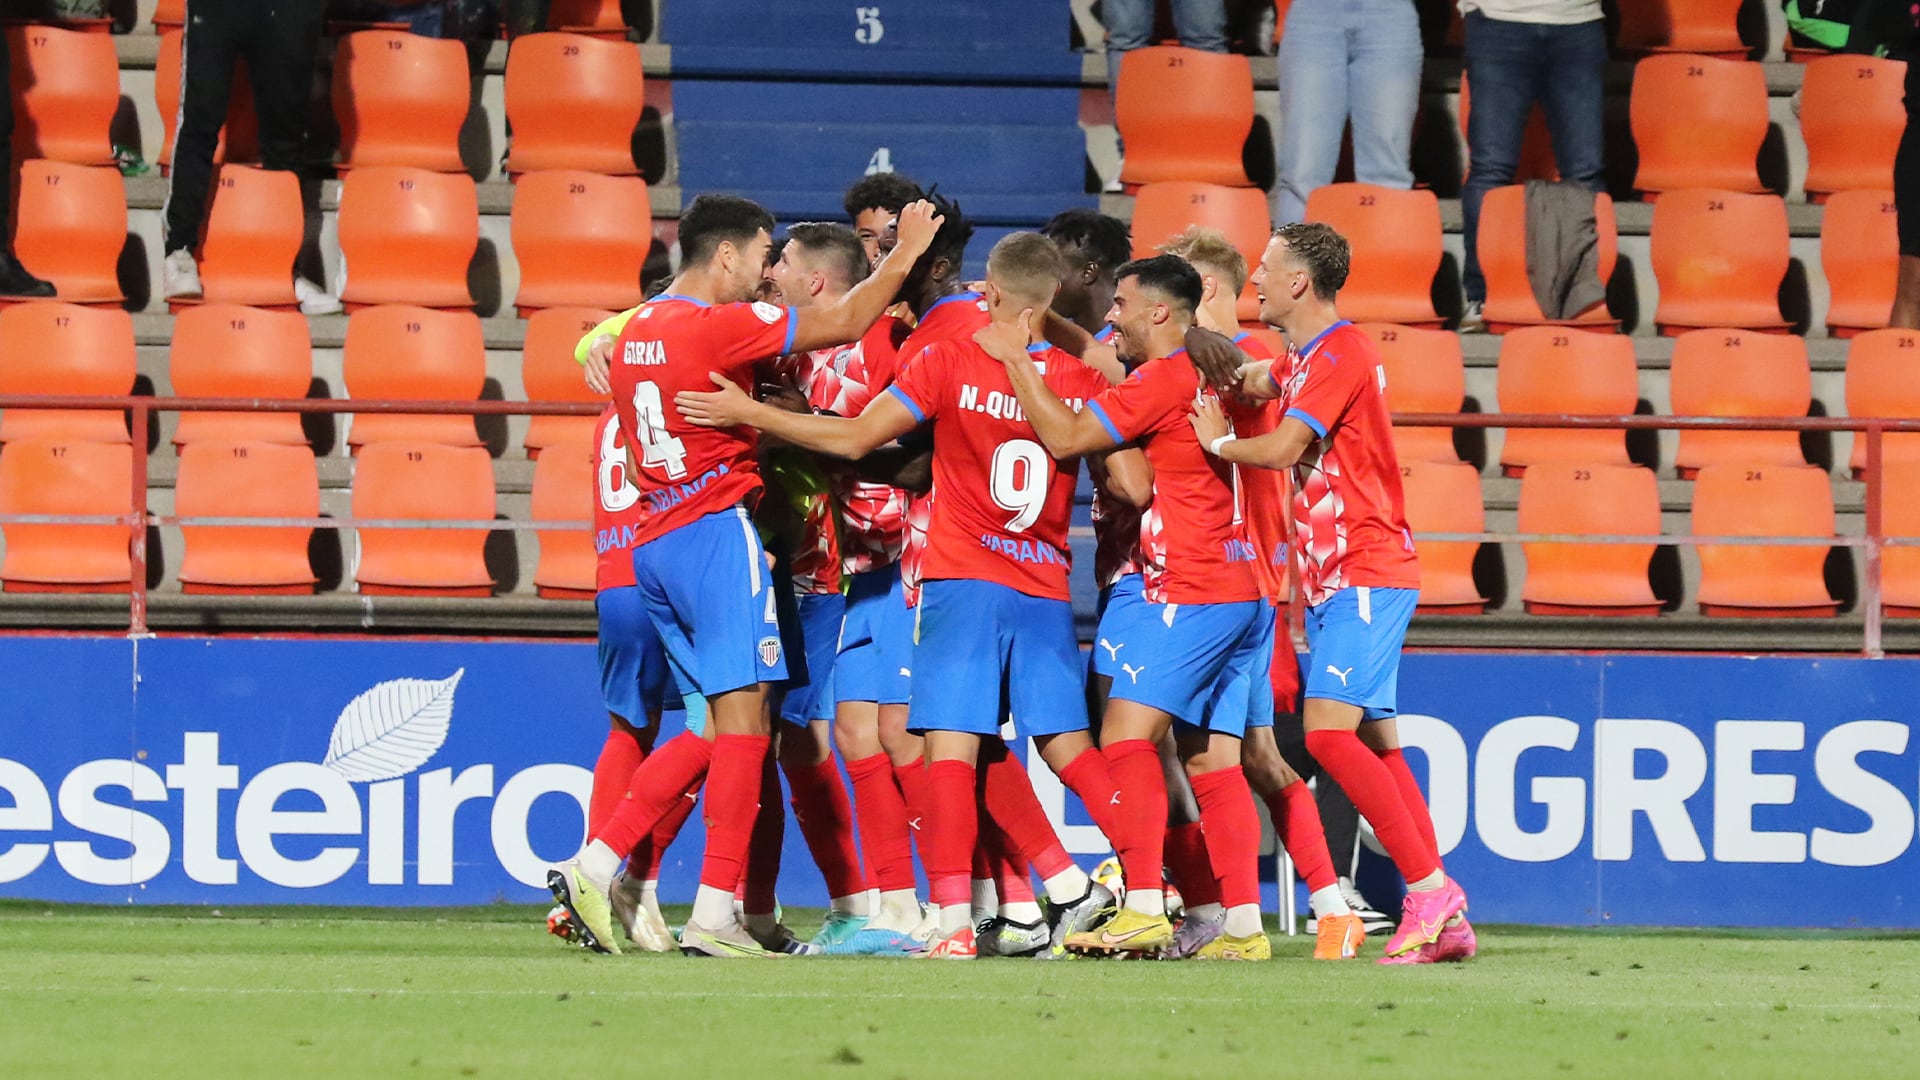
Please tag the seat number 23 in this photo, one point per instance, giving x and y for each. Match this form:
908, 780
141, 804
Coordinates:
658, 449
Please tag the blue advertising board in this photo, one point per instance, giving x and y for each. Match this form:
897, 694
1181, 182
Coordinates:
1565, 788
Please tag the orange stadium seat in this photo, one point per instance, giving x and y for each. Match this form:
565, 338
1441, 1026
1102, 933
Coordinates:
1719, 258
224, 350
1883, 382
563, 492
581, 239
1588, 499
1280, 8
79, 478
1396, 250
596, 18
1900, 518
1444, 497
401, 353
1425, 373
66, 88
1703, 27
407, 236
1860, 257
548, 372
423, 482
1763, 580
169, 15
1184, 115
239, 137
1851, 117
1550, 369
1164, 210
401, 99
1698, 123
573, 103
252, 237
246, 480
1739, 373
70, 227
1536, 144
1503, 260
47, 347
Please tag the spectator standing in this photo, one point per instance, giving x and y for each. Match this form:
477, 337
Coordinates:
1346, 60
1519, 52
14, 279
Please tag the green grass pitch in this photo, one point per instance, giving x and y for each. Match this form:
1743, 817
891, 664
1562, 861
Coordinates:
291, 992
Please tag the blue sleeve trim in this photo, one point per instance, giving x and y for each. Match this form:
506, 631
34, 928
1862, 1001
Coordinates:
1273, 382
919, 415
793, 327
1306, 418
1100, 414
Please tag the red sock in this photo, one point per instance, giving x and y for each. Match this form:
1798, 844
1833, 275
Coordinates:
1192, 869
1140, 817
884, 835
1416, 803
826, 820
1296, 820
915, 791
1088, 777
1016, 809
1232, 833
661, 781
763, 849
948, 845
1001, 859
620, 755
669, 827
1369, 783
732, 804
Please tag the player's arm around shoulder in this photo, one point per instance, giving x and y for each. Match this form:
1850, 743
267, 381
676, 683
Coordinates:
1280, 448
1064, 432
884, 420
851, 316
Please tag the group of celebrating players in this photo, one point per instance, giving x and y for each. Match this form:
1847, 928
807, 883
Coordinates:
834, 491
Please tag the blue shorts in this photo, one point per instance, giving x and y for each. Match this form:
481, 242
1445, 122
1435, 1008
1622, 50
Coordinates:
993, 650
1120, 604
712, 599
819, 619
1353, 646
1175, 657
1244, 698
875, 661
633, 668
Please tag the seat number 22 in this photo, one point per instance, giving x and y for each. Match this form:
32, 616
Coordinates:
658, 449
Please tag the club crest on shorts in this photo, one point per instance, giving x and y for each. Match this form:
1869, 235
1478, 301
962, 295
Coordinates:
769, 651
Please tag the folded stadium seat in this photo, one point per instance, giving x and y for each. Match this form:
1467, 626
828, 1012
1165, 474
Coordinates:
70, 228
1883, 382
548, 372
1536, 144
402, 353
1164, 210
224, 350
596, 18
169, 15
1424, 374
563, 492
407, 236
1588, 499
79, 478
1763, 580
573, 103
251, 238
1396, 250
1702, 27
1503, 260
1550, 369
239, 136
1444, 497
47, 347
1184, 115
422, 482
1698, 123
1739, 373
1860, 256
1719, 258
581, 239
1851, 117
401, 99
1900, 518
246, 480
66, 88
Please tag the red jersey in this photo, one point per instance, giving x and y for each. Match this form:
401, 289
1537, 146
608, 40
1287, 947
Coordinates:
951, 318
1284, 673
1117, 526
1196, 544
872, 518
1263, 492
617, 509
1349, 517
1005, 503
670, 345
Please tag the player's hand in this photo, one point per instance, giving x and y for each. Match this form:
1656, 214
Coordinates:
729, 406
599, 361
1007, 342
1215, 357
1209, 420
915, 228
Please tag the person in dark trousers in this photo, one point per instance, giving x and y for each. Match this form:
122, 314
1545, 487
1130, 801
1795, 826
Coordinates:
278, 39
14, 279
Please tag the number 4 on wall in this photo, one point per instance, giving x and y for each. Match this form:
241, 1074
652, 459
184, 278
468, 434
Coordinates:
868, 31
880, 162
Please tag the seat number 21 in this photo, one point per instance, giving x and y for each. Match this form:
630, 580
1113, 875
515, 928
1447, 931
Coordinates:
658, 449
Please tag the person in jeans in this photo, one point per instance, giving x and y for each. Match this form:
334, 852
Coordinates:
1519, 52
1200, 24
1341, 60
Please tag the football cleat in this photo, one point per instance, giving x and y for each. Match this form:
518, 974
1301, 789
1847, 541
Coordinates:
959, 945
1421, 955
586, 909
1194, 934
1003, 937
633, 917
1109, 876
1339, 937
838, 929
1086, 913
1256, 946
1424, 914
1456, 942
1375, 920
557, 924
731, 942
1128, 933
782, 941
873, 941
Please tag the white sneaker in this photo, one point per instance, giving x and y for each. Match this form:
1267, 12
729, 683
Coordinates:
1472, 321
180, 277
314, 300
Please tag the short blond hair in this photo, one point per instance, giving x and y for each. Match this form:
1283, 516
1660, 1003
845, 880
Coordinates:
1027, 265
1210, 249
